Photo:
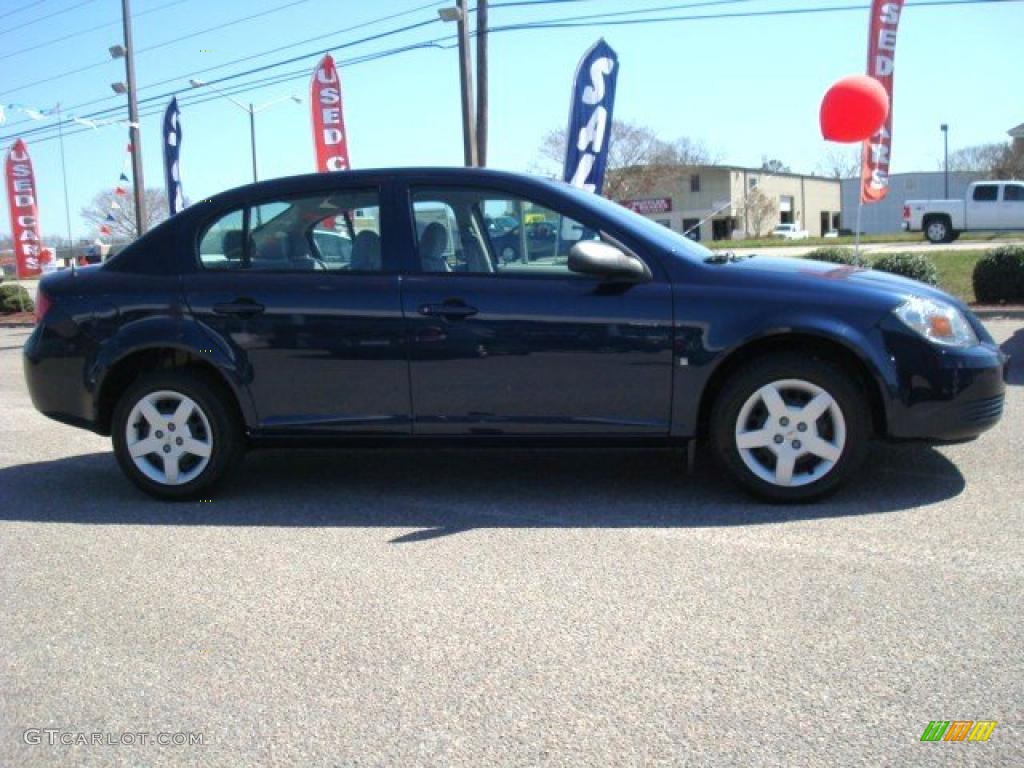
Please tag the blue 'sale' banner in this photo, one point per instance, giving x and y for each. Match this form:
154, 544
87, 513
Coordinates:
590, 117
172, 153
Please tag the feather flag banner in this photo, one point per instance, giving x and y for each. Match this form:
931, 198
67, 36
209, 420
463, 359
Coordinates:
329, 137
172, 154
31, 259
590, 118
876, 154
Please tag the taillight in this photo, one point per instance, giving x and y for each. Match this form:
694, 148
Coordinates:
906, 212
43, 304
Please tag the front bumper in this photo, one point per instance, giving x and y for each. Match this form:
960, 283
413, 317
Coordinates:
945, 394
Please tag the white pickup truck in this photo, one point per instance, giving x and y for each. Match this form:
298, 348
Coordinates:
990, 205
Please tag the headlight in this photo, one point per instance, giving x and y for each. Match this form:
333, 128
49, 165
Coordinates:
937, 321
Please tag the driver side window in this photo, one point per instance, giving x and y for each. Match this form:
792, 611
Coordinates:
476, 231
337, 232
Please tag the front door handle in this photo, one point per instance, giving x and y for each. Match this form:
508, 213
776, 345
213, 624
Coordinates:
450, 310
243, 307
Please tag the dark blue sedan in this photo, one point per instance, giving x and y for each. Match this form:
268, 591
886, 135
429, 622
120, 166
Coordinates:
228, 327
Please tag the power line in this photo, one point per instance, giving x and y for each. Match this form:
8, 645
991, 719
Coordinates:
229, 63
25, 7
255, 70
189, 100
79, 33
164, 44
603, 20
48, 16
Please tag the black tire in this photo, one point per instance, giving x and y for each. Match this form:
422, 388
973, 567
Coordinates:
226, 435
938, 229
818, 372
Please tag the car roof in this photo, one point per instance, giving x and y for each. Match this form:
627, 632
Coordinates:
288, 185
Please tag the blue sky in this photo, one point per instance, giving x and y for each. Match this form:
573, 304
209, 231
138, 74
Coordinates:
745, 87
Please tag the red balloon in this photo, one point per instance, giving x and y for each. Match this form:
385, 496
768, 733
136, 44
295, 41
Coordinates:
853, 109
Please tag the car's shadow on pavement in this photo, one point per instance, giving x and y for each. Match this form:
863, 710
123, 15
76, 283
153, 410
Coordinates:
444, 492
1014, 347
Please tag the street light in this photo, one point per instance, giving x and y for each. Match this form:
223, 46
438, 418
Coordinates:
945, 162
450, 14
250, 110
119, 88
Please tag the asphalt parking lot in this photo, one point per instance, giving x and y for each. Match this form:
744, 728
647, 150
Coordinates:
515, 608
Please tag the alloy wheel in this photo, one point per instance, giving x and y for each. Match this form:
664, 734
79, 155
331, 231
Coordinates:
790, 433
169, 437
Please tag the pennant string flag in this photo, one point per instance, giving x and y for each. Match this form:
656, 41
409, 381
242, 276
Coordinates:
105, 230
38, 114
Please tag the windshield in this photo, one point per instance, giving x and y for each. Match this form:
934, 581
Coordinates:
627, 219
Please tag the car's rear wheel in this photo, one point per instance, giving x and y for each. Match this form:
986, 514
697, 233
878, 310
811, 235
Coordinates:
938, 230
790, 428
175, 434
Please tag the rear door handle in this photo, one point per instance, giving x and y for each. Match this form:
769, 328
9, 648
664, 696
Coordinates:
243, 307
451, 310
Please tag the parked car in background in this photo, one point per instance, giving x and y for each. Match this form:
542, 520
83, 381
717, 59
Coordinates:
790, 232
989, 206
226, 328
540, 242
831, 233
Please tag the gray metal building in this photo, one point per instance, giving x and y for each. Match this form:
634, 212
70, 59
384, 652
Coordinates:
887, 216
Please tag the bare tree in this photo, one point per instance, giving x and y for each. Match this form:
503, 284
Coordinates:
759, 212
773, 165
840, 163
123, 225
996, 161
981, 158
638, 161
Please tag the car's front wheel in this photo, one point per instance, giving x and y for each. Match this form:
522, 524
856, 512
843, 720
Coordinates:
175, 435
790, 428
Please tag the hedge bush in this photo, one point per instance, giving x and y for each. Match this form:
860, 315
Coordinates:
999, 275
837, 254
14, 298
916, 266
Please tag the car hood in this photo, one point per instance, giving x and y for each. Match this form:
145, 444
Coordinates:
826, 278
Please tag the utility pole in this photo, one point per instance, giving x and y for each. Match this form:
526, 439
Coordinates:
945, 160
466, 79
133, 116
252, 140
481, 82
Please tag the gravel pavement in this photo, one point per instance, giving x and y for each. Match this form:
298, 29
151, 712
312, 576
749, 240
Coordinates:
515, 608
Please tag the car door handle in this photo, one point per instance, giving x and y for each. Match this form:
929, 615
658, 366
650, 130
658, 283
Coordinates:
243, 307
449, 310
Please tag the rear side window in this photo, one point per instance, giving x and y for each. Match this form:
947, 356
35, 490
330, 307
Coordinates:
986, 193
221, 246
337, 232
1013, 192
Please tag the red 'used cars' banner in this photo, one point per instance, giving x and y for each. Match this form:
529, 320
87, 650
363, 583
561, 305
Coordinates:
874, 174
29, 254
328, 121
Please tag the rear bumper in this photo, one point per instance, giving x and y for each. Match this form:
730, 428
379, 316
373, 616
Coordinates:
54, 375
957, 396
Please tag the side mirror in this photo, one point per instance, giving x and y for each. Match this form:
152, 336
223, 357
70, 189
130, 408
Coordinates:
592, 257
